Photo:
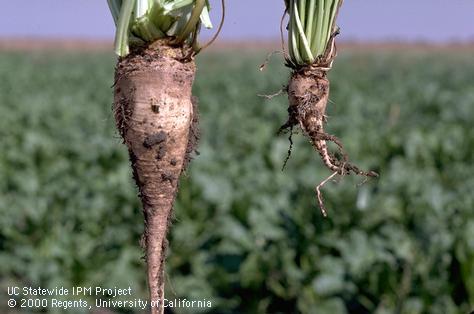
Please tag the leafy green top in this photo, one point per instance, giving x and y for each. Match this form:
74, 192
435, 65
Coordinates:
311, 26
141, 21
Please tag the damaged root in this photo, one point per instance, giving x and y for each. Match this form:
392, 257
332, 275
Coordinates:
308, 94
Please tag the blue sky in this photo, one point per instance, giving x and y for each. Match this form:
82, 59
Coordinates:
373, 20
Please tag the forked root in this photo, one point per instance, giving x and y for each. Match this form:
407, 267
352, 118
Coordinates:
341, 167
308, 94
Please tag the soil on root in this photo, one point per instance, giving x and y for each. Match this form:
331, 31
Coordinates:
194, 135
154, 114
308, 94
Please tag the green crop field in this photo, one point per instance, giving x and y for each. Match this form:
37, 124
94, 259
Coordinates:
246, 235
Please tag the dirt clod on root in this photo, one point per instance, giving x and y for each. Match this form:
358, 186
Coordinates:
154, 139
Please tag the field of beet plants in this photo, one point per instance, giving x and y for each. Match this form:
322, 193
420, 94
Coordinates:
246, 235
